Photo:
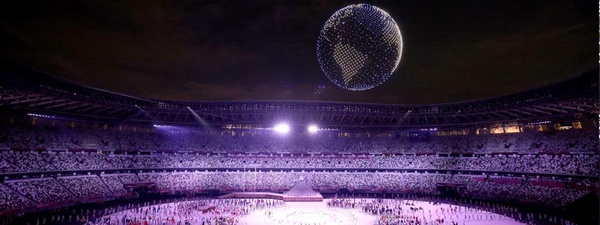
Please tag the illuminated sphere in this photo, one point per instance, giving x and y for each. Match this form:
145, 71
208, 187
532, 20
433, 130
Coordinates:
359, 47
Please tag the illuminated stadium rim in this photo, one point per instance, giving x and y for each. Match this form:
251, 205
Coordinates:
38, 93
29, 78
332, 119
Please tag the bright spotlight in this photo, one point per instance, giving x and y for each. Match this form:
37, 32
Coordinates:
313, 129
282, 128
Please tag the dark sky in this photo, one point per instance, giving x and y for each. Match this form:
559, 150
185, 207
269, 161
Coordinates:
265, 50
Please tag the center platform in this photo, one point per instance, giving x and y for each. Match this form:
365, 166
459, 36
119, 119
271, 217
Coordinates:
301, 192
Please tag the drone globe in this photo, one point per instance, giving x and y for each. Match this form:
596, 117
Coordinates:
359, 47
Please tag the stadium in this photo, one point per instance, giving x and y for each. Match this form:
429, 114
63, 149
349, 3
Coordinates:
77, 154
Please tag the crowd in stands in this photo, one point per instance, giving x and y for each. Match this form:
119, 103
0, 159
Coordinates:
181, 139
83, 188
52, 148
252, 161
160, 179
42, 191
535, 193
33, 161
503, 190
10, 199
115, 185
567, 196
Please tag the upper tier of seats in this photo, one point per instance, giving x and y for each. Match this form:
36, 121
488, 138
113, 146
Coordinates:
186, 140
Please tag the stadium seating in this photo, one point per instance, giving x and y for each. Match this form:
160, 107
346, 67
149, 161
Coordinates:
178, 162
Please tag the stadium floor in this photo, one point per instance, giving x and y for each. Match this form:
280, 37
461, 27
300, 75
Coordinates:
317, 213
307, 213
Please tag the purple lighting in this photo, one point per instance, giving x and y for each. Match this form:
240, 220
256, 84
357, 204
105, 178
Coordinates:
282, 128
312, 129
40, 115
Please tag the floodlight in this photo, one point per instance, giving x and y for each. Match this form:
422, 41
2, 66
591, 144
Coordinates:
313, 129
282, 128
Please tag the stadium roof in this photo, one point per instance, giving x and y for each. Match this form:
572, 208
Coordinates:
28, 91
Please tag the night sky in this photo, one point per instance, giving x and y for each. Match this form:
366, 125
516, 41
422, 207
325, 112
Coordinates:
265, 50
